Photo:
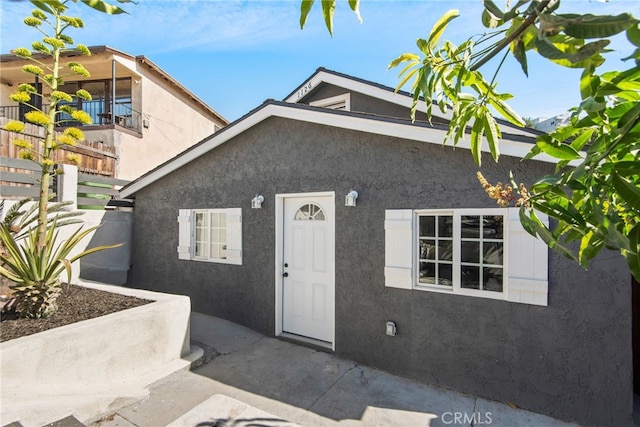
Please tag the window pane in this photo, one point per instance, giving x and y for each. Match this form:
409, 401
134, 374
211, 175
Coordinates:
445, 250
493, 227
310, 212
492, 253
445, 226
470, 226
427, 273
470, 252
210, 234
492, 279
200, 219
470, 277
428, 249
445, 275
428, 226
302, 213
215, 220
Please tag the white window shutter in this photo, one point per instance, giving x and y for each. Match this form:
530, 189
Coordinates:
528, 268
234, 236
184, 234
398, 253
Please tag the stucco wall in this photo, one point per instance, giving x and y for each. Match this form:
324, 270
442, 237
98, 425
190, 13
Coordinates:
571, 360
174, 125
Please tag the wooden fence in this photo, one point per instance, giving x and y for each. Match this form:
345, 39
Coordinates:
19, 178
95, 157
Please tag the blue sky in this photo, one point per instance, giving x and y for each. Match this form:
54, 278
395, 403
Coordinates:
235, 54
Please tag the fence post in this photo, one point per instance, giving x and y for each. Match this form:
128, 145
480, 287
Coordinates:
68, 185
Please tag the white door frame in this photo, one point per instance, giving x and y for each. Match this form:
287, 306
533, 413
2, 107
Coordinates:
279, 248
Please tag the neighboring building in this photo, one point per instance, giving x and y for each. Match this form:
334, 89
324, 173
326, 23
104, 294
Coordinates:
547, 125
424, 277
138, 110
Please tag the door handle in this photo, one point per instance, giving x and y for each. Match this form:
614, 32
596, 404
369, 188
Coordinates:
285, 274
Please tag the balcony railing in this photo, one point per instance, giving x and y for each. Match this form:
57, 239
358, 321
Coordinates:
125, 116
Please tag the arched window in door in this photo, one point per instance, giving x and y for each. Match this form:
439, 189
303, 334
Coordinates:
310, 212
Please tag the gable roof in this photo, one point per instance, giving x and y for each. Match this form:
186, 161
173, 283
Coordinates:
511, 144
382, 92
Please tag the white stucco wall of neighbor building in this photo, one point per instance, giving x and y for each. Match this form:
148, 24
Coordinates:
165, 118
170, 124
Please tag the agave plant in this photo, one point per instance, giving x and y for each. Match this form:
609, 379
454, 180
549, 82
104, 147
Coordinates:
19, 221
36, 271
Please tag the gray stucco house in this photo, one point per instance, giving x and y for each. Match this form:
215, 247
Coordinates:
419, 273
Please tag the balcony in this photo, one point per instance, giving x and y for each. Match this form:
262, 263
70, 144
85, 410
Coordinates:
124, 115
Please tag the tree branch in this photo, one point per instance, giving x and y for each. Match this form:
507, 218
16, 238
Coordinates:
530, 20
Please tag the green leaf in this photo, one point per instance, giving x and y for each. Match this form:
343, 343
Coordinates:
511, 13
520, 53
627, 168
476, 140
630, 118
581, 140
533, 223
590, 245
588, 50
535, 150
305, 8
547, 49
355, 7
490, 21
596, 26
403, 58
629, 192
42, 5
406, 78
556, 149
588, 84
440, 26
493, 134
328, 8
633, 34
492, 8
103, 6
507, 112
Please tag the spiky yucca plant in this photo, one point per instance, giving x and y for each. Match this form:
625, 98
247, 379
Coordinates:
36, 270
36, 262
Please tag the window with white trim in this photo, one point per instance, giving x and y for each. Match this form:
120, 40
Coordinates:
211, 235
477, 252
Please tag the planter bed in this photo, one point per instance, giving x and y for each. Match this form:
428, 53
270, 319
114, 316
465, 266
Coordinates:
87, 367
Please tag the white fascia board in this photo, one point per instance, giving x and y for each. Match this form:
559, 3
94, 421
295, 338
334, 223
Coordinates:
378, 93
399, 130
357, 86
327, 118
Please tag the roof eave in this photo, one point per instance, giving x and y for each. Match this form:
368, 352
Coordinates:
515, 145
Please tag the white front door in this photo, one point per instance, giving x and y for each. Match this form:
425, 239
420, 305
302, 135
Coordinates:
308, 283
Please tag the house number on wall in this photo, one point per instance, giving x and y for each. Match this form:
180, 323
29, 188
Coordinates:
304, 90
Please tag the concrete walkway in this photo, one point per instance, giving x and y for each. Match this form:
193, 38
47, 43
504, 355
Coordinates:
252, 380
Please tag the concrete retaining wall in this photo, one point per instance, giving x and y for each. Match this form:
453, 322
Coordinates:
87, 367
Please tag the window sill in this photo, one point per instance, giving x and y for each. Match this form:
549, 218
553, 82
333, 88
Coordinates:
462, 292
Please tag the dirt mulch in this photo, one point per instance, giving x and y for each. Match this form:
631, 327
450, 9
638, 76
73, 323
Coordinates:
76, 303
